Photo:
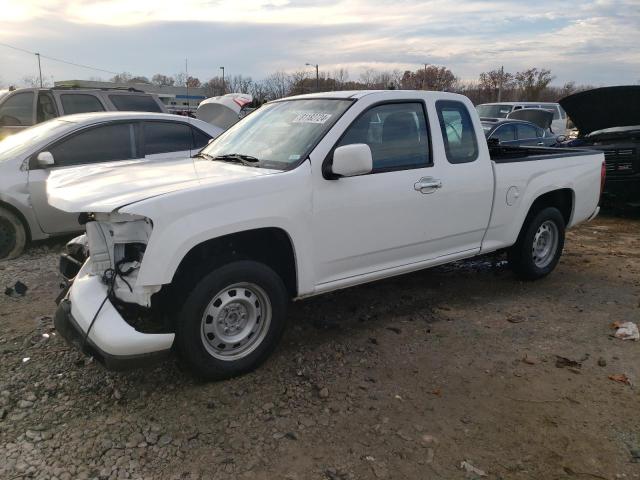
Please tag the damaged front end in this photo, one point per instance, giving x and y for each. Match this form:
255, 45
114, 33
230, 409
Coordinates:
117, 243
102, 312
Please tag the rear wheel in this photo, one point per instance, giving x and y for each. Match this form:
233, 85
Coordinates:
539, 246
232, 320
13, 236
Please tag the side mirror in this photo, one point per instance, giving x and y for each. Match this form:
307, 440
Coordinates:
45, 159
352, 160
561, 138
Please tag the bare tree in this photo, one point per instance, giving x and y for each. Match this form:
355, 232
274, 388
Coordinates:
341, 77
139, 79
239, 84
532, 82
367, 78
193, 82
214, 87
180, 79
259, 92
277, 85
161, 80
496, 80
123, 77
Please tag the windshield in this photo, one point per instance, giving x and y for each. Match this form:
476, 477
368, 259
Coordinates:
280, 134
18, 143
494, 111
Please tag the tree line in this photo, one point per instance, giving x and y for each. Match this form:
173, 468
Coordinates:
532, 84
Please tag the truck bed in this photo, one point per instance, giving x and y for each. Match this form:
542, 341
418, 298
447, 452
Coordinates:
508, 154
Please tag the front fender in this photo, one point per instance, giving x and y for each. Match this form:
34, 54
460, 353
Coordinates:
185, 219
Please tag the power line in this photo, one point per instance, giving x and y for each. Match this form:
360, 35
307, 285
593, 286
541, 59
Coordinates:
57, 59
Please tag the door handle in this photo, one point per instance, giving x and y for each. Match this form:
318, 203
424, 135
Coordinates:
427, 185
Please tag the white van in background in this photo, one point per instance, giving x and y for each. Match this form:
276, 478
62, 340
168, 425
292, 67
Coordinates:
502, 109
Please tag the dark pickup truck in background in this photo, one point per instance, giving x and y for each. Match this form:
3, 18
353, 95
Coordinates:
608, 119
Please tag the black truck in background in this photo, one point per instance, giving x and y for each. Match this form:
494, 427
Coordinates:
608, 119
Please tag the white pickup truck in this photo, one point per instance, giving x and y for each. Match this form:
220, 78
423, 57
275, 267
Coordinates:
306, 195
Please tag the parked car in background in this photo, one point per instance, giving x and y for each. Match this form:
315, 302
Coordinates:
608, 119
525, 127
90, 139
305, 196
502, 109
518, 133
24, 107
225, 110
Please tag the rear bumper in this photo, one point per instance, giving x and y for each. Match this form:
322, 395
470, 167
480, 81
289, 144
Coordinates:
111, 340
623, 187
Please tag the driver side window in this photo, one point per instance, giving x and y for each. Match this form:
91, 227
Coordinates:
396, 133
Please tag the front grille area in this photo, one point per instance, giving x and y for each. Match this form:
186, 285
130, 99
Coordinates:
620, 161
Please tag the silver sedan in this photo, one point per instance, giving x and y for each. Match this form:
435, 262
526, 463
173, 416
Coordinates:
26, 159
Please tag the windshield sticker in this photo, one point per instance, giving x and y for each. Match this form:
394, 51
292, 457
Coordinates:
310, 117
294, 157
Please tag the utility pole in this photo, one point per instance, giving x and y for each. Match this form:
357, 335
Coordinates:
317, 75
500, 83
224, 90
186, 84
424, 79
39, 69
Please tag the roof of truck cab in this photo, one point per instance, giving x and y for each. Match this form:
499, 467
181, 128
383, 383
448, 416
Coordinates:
355, 94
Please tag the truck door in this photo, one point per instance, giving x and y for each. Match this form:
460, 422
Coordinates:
421, 201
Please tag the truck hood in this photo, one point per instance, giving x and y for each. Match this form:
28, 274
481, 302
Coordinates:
105, 188
602, 108
537, 116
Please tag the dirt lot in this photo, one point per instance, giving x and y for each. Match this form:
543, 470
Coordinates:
401, 379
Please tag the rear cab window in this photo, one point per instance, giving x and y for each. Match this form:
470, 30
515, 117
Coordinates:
134, 103
458, 134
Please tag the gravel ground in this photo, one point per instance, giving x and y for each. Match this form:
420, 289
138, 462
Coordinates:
455, 372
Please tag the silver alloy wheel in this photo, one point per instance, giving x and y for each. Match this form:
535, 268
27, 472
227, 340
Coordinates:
236, 321
545, 244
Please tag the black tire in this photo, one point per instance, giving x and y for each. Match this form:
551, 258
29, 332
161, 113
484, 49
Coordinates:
196, 350
521, 256
13, 236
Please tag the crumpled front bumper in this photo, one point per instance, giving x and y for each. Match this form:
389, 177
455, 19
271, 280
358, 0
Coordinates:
111, 340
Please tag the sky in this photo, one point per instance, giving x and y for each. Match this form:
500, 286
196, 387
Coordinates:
591, 42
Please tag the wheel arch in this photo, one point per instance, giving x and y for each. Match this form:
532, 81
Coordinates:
563, 199
272, 246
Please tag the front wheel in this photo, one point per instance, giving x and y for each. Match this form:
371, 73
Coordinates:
539, 246
232, 320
